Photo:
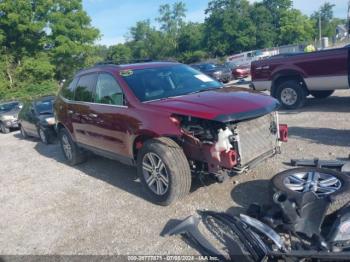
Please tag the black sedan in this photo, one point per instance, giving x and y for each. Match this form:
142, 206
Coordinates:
218, 72
36, 119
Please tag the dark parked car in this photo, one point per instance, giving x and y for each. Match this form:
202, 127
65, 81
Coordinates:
8, 116
167, 119
238, 71
218, 72
36, 119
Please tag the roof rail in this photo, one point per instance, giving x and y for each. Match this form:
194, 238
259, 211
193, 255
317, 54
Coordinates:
125, 61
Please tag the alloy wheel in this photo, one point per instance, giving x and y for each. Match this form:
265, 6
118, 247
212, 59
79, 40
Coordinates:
67, 148
42, 136
289, 96
321, 184
155, 173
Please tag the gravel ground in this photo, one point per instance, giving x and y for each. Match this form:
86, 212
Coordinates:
48, 207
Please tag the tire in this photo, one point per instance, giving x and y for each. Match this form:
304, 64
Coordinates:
338, 199
175, 168
4, 129
291, 94
321, 94
23, 132
77, 155
44, 136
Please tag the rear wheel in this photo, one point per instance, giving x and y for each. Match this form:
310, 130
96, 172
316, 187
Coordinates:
4, 129
23, 132
291, 94
322, 94
164, 170
73, 154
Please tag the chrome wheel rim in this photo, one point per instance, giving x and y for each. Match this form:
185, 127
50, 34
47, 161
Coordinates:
42, 136
67, 148
289, 96
321, 184
155, 174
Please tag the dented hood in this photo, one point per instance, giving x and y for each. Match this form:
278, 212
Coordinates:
224, 104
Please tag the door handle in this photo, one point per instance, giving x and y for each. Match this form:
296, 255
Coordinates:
93, 115
70, 112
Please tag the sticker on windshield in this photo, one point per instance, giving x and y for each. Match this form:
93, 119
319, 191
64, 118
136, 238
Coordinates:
203, 78
127, 72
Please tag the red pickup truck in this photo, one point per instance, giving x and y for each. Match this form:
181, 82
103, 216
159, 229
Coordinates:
292, 77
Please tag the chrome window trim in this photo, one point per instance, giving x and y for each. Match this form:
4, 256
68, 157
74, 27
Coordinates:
89, 103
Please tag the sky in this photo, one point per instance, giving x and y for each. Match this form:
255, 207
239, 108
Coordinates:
114, 18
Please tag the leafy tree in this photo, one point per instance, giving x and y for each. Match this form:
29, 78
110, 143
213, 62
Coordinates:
71, 38
190, 57
22, 26
42, 40
191, 37
119, 52
328, 22
171, 19
228, 27
265, 33
35, 69
295, 28
277, 8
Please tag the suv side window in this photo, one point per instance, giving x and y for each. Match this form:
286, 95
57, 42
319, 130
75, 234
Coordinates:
85, 88
67, 90
108, 90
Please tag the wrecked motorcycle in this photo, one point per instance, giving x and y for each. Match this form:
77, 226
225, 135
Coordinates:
297, 225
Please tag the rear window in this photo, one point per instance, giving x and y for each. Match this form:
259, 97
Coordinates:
85, 88
9, 106
67, 90
44, 107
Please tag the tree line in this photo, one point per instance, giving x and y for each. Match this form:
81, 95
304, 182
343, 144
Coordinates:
45, 41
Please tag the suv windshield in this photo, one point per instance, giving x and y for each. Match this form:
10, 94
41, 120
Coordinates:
44, 107
8, 106
163, 82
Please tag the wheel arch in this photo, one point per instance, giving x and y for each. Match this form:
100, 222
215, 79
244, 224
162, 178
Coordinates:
145, 136
60, 126
286, 75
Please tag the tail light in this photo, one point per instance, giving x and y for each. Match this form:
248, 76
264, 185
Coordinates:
283, 132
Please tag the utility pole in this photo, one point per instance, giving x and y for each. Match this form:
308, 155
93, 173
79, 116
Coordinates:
320, 28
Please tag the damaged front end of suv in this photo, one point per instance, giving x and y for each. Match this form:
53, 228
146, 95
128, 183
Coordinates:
231, 144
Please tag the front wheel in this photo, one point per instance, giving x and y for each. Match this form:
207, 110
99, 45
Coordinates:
291, 94
73, 154
4, 129
164, 170
321, 94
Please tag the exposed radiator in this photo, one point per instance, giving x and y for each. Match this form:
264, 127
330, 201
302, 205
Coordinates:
257, 137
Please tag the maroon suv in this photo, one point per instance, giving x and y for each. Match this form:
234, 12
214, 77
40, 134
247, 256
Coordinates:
167, 119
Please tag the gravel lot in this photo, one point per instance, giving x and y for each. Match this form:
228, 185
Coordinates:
48, 207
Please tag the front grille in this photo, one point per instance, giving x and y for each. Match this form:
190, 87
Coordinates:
257, 137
